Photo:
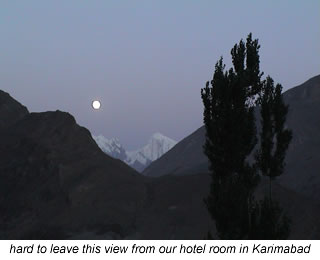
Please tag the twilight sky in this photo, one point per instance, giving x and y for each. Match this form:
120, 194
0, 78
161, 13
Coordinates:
146, 61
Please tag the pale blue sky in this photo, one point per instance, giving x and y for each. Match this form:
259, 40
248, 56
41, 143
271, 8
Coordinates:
145, 60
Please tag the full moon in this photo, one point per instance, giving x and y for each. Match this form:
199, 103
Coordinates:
96, 104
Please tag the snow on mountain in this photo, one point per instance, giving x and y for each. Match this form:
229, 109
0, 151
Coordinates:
158, 145
139, 159
111, 147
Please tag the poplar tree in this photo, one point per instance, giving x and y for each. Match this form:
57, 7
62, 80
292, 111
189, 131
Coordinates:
229, 101
275, 138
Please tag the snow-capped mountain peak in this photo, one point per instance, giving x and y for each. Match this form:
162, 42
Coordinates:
111, 146
157, 145
158, 136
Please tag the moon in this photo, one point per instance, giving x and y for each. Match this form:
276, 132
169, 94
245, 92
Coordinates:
96, 104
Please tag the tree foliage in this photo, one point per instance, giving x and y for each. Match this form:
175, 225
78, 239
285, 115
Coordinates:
231, 135
275, 138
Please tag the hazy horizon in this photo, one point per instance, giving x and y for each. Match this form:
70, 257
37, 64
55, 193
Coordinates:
145, 61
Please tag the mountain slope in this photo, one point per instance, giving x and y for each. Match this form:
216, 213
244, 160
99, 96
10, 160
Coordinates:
55, 182
10, 110
303, 157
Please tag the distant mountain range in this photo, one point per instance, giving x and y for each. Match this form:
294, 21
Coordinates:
56, 183
139, 159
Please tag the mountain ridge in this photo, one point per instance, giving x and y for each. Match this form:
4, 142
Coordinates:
139, 159
55, 181
10, 110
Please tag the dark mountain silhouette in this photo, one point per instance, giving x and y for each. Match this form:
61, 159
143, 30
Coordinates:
302, 173
10, 110
55, 181
303, 158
